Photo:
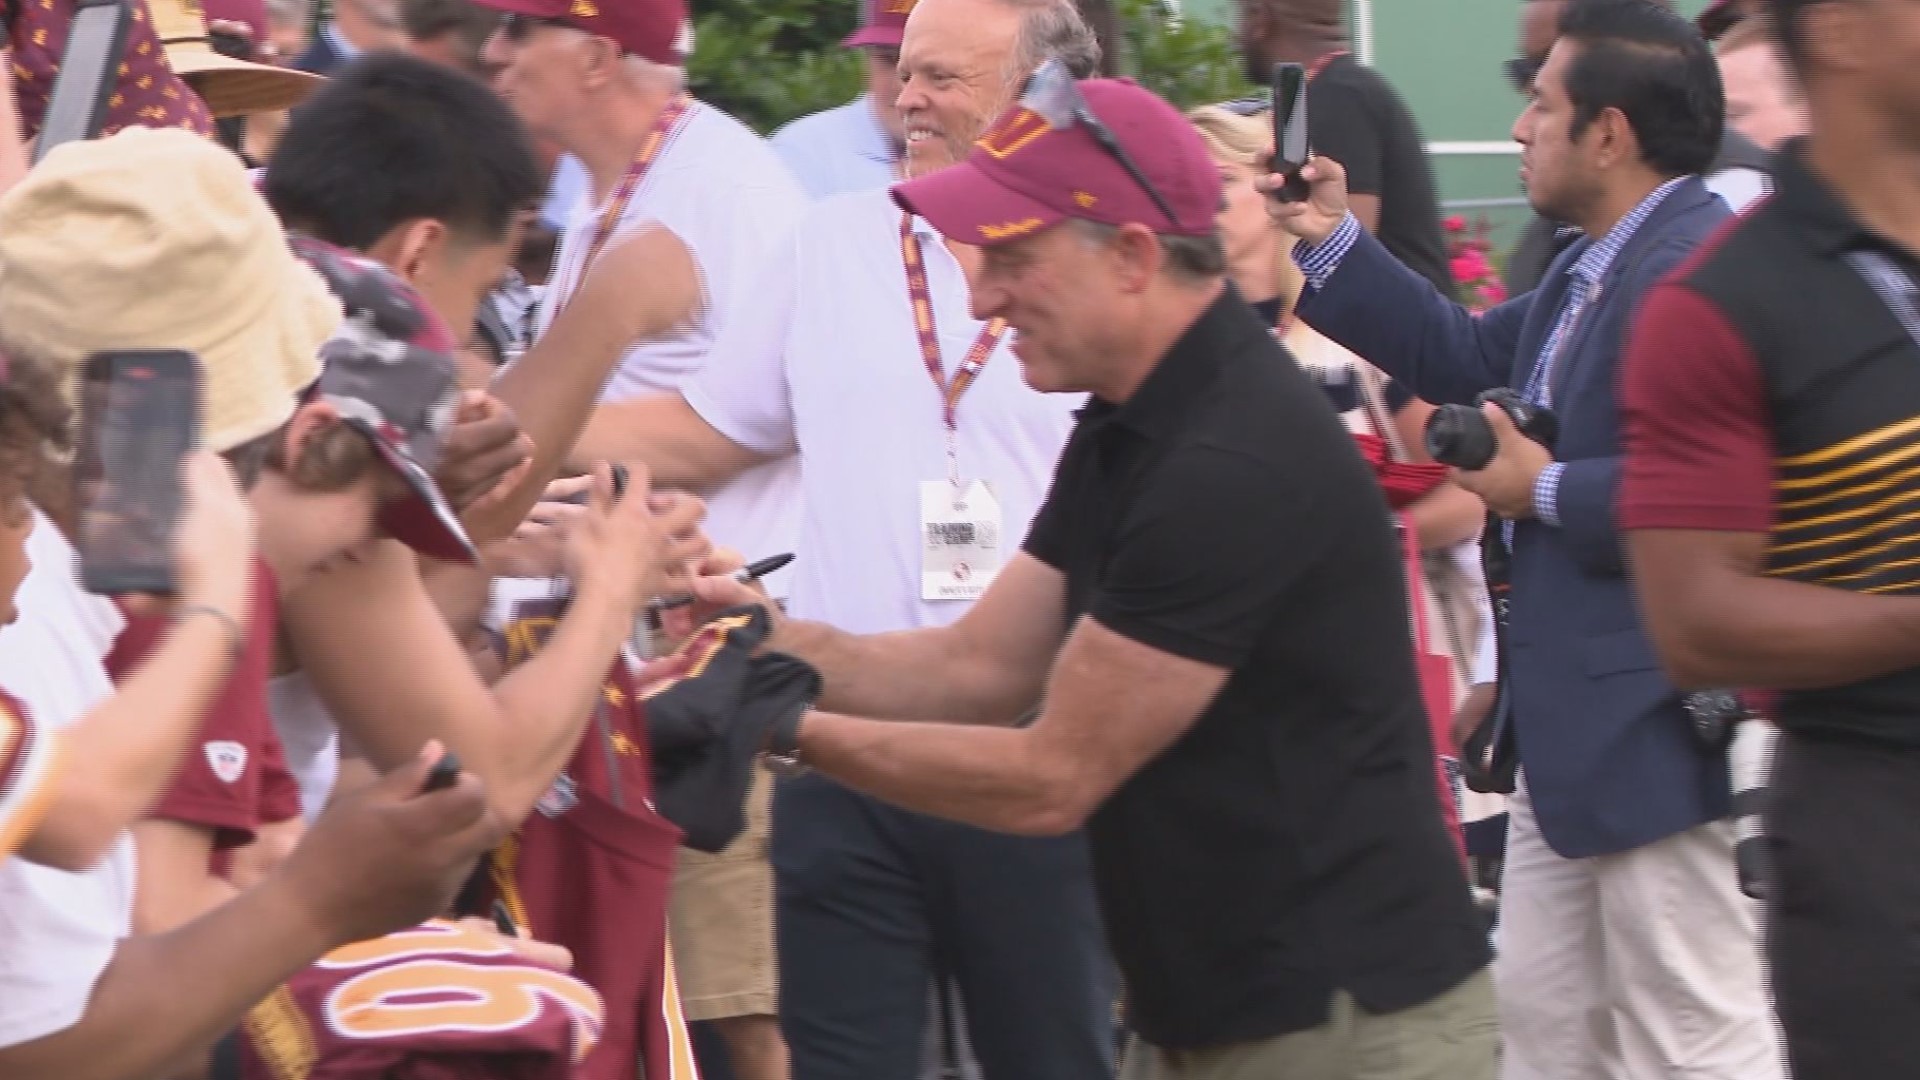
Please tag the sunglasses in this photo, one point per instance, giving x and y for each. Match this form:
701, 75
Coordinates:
1250, 106
518, 28
1054, 95
1521, 71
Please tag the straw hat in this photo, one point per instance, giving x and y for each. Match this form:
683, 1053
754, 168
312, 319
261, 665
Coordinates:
154, 239
231, 87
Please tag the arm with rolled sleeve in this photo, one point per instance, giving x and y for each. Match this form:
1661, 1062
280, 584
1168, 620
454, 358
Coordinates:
1359, 295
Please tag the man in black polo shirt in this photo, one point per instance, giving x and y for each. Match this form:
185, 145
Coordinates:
1773, 424
1210, 615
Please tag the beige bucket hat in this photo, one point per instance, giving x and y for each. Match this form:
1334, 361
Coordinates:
154, 239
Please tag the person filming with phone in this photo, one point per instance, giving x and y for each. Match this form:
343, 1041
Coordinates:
1620, 895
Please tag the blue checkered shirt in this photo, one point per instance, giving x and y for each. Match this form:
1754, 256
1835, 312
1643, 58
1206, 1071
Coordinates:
1319, 261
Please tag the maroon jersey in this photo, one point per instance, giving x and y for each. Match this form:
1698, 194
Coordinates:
146, 92
591, 869
437, 1002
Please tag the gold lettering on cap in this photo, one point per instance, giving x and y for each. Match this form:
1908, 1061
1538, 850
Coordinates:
900, 7
1011, 229
1085, 199
584, 9
1013, 133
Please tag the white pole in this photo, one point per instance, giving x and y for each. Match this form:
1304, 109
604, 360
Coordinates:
1363, 31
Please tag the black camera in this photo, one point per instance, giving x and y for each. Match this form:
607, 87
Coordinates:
1458, 435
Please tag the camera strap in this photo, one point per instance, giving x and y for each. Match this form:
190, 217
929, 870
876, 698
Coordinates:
1895, 286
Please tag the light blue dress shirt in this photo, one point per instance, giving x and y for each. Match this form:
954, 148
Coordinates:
839, 150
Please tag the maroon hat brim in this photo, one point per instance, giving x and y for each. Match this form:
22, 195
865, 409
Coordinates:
882, 36
539, 9
423, 520
966, 205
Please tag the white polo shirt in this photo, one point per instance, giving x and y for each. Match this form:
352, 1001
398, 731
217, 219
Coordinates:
58, 930
727, 196
838, 151
828, 364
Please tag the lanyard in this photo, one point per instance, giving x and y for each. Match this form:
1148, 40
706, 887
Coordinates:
623, 192
914, 259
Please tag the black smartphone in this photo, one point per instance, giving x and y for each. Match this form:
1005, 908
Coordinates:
77, 104
139, 418
1291, 149
619, 471
443, 774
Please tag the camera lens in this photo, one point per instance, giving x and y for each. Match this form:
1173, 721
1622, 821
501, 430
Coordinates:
1459, 436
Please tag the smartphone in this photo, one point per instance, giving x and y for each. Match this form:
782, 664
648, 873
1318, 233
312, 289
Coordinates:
77, 104
139, 418
1291, 150
619, 471
443, 774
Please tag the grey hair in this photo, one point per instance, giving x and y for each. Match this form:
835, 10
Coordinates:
287, 12
640, 69
1194, 260
1053, 28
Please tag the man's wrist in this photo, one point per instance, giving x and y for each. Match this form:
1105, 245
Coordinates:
1546, 493
1318, 261
305, 926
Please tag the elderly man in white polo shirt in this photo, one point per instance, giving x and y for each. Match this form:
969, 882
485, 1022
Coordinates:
856, 146
886, 414
694, 200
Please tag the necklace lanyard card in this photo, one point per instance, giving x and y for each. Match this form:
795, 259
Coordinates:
961, 535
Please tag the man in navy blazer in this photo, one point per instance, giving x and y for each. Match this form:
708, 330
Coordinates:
1626, 948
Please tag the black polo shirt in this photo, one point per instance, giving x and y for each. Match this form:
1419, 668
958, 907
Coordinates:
1770, 389
1291, 843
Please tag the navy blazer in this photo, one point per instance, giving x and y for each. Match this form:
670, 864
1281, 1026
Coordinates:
321, 58
1608, 754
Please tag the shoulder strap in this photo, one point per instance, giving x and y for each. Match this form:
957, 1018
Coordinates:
1896, 289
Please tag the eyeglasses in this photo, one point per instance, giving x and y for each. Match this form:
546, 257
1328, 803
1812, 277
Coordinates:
1522, 70
1053, 95
518, 28
1249, 106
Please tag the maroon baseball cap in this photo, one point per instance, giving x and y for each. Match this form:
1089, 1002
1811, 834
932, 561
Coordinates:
389, 370
656, 30
1030, 172
882, 22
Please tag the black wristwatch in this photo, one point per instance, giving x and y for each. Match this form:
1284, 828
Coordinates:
783, 742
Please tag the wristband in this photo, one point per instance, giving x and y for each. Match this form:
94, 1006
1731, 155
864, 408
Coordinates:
236, 634
783, 743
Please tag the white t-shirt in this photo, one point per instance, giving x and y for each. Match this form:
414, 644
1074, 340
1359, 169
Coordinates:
58, 930
309, 736
828, 364
727, 196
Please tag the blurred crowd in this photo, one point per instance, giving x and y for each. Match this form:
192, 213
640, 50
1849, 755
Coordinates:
1002, 578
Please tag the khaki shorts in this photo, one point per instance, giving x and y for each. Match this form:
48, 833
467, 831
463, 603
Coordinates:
721, 920
1453, 1037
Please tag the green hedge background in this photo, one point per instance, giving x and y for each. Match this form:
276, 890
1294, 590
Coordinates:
769, 61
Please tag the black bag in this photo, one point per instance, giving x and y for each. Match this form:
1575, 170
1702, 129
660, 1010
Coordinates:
709, 709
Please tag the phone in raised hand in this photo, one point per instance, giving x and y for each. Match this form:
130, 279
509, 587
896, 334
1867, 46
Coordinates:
139, 418
1291, 149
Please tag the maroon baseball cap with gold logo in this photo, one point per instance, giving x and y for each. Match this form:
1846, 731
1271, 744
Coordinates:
882, 23
1103, 150
656, 30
